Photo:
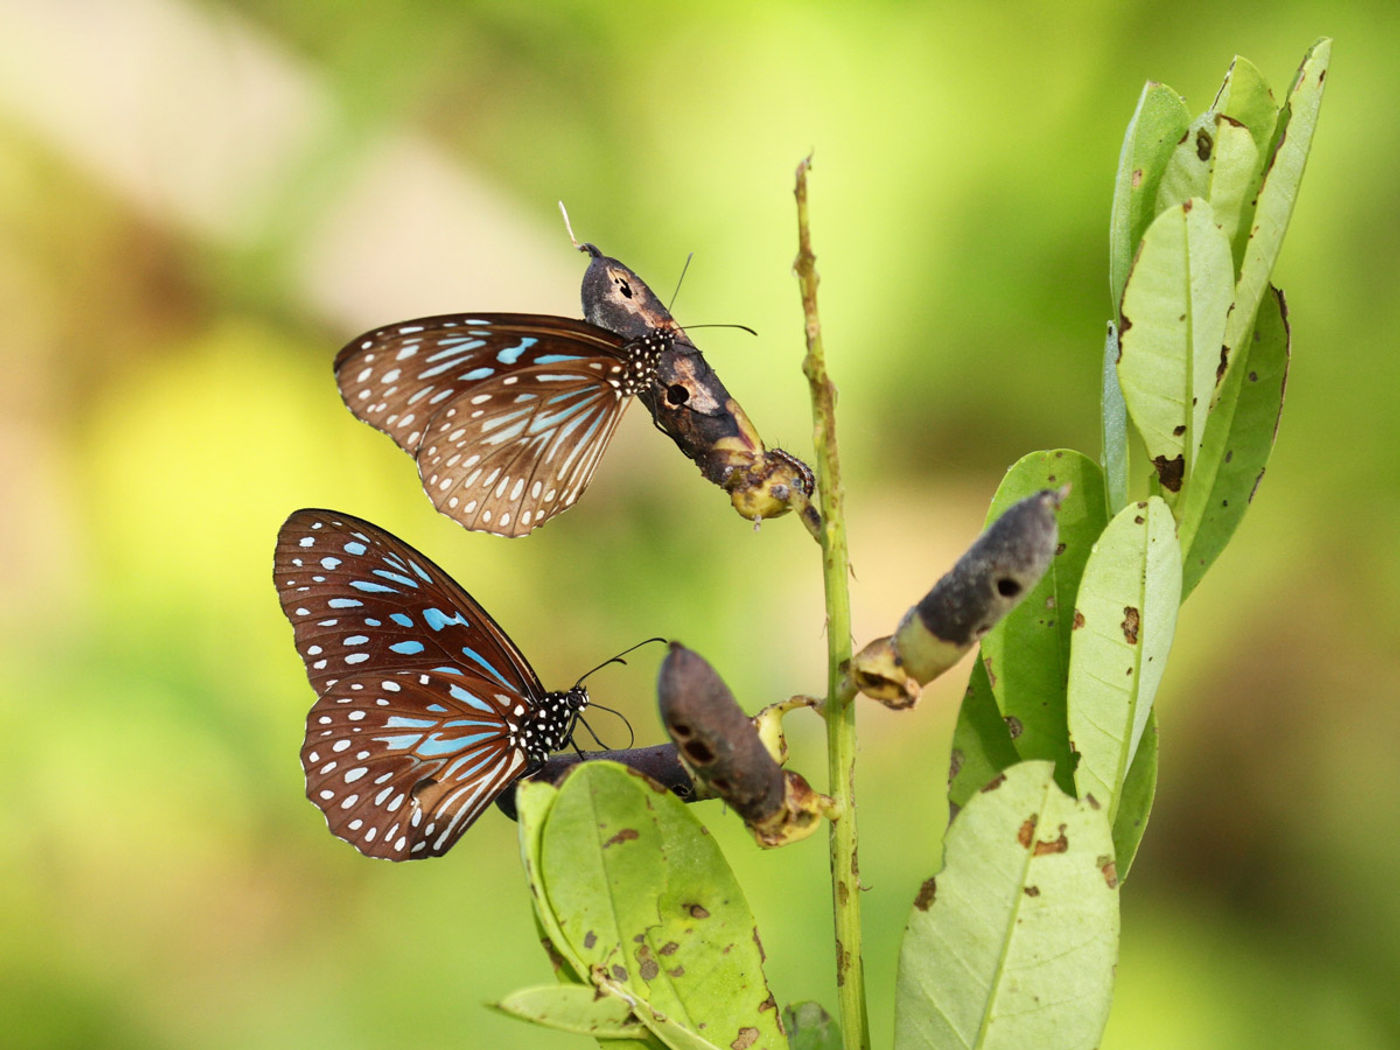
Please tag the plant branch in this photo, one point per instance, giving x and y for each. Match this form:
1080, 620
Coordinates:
839, 709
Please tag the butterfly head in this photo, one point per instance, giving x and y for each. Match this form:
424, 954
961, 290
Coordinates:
552, 728
617, 299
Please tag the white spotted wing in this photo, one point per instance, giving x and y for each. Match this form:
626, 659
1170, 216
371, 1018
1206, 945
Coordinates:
506, 414
425, 709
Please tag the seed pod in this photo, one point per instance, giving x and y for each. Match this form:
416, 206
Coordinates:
716, 740
990, 580
691, 405
725, 753
688, 401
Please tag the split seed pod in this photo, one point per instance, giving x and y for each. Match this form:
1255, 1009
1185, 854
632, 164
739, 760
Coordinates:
987, 582
724, 752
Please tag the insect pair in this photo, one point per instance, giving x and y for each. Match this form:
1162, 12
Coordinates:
507, 415
426, 710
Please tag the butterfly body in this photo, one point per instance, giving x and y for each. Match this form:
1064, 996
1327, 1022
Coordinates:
507, 415
425, 710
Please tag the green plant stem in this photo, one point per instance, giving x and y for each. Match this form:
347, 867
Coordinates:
839, 708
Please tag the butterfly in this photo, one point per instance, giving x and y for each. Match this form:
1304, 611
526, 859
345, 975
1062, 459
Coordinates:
426, 710
507, 415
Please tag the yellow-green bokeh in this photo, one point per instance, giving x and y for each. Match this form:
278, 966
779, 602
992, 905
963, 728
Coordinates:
167, 400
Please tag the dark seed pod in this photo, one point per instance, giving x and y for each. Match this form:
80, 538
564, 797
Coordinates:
687, 400
715, 738
990, 580
725, 753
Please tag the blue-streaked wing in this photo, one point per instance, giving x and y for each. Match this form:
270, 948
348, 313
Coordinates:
526, 401
401, 764
522, 447
362, 601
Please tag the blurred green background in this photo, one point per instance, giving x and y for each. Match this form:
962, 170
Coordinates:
200, 201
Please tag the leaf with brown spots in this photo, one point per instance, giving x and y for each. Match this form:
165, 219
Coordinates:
927, 892
1055, 845
1238, 442
1034, 929
658, 889
982, 745
1159, 122
1131, 619
574, 1008
1026, 832
1179, 295
1170, 472
1129, 596
1110, 872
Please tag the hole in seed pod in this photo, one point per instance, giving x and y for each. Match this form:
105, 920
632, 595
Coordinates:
1007, 587
677, 394
698, 753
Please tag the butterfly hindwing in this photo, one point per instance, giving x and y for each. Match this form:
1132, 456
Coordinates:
523, 445
401, 764
520, 397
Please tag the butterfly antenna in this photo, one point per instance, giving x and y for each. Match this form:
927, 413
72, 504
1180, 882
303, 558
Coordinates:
741, 327
671, 305
631, 734
569, 226
618, 659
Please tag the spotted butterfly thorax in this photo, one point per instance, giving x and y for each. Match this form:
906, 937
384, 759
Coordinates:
508, 414
426, 710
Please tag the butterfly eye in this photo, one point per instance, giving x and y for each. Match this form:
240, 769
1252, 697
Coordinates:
677, 394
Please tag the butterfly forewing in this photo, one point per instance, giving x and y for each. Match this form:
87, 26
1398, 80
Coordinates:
401, 764
520, 397
361, 600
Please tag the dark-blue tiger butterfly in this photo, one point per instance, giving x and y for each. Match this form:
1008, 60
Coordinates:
426, 711
508, 414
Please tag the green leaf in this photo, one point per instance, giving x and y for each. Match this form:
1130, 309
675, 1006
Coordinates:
1135, 800
811, 1028
1113, 420
1124, 620
1013, 944
1239, 440
1158, 123
533, 801
1173, 323
1283, 172
1233, 171
982, 745
1027, 653
1187, 173
1245, 97
665, 1030
574, 1008
646, 902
